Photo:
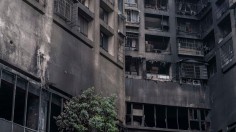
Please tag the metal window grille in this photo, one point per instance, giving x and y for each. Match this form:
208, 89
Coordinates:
227, 53
63, 8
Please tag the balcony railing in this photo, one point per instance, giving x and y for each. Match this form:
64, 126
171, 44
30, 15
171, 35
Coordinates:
152, 76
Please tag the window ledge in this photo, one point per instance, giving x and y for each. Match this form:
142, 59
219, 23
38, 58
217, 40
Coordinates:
106, 28
66, 27
36, 5
85, 11
111, 58
108, 6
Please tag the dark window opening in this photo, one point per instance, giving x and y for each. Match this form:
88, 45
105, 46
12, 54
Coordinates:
156, 22
32, 111
222, 7
157, 4
188, 27
157, 44
209, 42
172, 118
55, 111
224, 28
194, 125
132, 16
183, 118
149, 115
19, 111
212, 69
104, 41
104, 15
158, 70
83, 25
131, 42
6, 99
132, 65
161, 116
206, 22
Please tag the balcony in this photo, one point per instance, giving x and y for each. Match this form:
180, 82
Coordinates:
190, 47
156, 5
157, 23
157, 44
158, 70
188, 28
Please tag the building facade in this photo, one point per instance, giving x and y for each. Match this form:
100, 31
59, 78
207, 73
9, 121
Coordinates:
179, 57
51, 50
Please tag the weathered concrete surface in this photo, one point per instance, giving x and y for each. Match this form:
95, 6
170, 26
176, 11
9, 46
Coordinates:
166, 93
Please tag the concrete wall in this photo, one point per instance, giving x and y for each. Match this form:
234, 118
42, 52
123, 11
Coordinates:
166, 93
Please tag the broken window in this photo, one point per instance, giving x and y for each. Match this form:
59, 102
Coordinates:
161, 117
183, 118
227, 53
158, 70
172, 118
157, 44
63, 8
157, 4
132, 16
212, 69
159, 23
224, 28
104, 41
83, 25
188, 27
131, 42
190, 47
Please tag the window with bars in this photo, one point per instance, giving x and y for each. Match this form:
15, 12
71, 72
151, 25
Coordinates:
63, 8
132, 16
131, 42
192, 70
227, 53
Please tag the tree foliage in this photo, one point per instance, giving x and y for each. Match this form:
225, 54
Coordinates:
88, 112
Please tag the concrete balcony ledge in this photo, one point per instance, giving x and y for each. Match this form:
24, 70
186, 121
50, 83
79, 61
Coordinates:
156, 11
157, 33
108, 5
85, 11
36, 5
106, 28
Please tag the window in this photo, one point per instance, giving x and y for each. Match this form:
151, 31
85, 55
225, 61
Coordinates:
120, 6
170, 117
83, 25
132, 16
227, 53
24, 110
193, 70
212, 69
131, 42
104, 15
157, 44
131, 3
190, 47
156, 4
132, 65
103, 41
63, 8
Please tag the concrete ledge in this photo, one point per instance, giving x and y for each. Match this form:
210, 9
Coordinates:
57, 20
108, 6
106, 28
111, 58
157, 33
159, 12
85, 11
36, 5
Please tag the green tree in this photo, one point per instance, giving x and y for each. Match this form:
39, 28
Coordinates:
88, 112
